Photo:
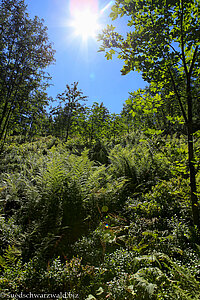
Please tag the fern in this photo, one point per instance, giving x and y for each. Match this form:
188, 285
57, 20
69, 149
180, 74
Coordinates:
151, 276
10, 257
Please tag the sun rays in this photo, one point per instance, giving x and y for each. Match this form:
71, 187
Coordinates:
85, 18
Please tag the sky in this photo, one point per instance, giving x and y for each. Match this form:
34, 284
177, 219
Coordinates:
79, 60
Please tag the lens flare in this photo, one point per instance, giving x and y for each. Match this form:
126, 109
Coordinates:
106, 7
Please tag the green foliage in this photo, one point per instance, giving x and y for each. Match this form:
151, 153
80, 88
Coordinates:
88, 124
56, 278
147, 274
99, 153
25, 52
128, 223
70, 111
55, 197
162, 44
98, 122
155, 111
141, 165
105, 214
122, 276
11, 234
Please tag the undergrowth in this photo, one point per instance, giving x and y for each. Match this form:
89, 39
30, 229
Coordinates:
119, 228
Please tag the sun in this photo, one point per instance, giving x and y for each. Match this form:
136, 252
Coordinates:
85, 18
85, 24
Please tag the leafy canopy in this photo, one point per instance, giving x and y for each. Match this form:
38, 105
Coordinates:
164, 38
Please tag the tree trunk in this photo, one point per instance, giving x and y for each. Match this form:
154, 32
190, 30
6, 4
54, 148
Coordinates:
193, 188
67, 130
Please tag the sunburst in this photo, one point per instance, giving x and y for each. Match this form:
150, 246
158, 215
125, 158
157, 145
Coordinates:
85, 24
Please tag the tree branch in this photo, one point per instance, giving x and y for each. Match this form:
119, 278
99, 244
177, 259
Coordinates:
193, 61
178, 96
182, 41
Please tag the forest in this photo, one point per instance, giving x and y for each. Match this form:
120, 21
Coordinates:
94, 204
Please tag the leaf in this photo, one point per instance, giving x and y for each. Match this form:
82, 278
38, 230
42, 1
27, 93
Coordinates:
90, 297
100, 291
131, 290
2, 189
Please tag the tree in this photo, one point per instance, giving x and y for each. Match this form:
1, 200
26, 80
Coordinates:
98, 121
163, 45
67, 116
24, 54
117, 126
153, 110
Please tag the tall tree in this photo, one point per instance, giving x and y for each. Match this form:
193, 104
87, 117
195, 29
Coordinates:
25, 52
163, 44
98, 121
27, 120
117, 126
66, 115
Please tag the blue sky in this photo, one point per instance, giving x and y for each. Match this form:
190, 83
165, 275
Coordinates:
98, 78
